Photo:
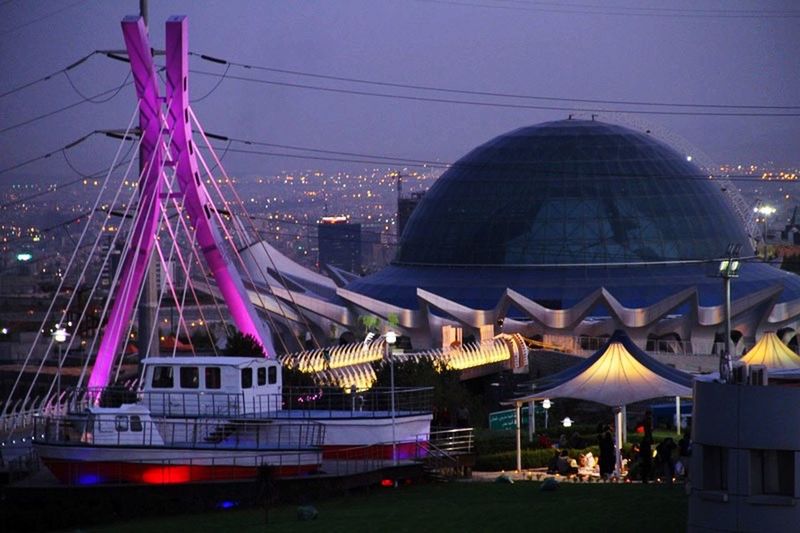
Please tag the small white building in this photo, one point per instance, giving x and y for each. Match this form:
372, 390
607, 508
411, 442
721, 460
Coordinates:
745, 446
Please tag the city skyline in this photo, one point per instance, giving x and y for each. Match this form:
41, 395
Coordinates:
631, 54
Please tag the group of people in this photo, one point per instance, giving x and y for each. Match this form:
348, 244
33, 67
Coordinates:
649, 461
664, 461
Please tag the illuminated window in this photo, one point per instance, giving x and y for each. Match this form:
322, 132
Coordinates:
715, 468
162, 377
772, 472
190, 377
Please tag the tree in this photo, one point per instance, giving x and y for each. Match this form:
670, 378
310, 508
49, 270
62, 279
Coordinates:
242, 345
449, 393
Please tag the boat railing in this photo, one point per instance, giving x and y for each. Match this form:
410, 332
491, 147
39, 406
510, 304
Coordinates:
129, 429
316, 402
375, 402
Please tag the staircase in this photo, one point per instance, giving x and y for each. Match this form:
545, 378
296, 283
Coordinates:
447, 455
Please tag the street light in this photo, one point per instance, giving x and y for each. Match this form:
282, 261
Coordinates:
391, 338
728, 269
765, 211
546, 404
60, 337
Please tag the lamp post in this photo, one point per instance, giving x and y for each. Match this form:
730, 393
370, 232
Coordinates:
728, 269
60, 337
546, 404
391, 338
765, 211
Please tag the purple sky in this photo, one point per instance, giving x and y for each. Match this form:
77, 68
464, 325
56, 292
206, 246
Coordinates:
522, 47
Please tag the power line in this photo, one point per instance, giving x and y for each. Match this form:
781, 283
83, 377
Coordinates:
49, 76
477, 103
451, 90
114, 90
67, 146
40, 18
585, 9
420, 163
61, 186
656, 9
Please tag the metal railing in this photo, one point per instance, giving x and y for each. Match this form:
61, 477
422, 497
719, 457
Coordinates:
310, 402
197, 433
452, 441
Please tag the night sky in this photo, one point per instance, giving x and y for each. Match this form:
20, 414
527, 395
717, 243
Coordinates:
674, 52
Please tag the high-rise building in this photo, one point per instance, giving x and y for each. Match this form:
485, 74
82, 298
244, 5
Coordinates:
406, 206
339, 243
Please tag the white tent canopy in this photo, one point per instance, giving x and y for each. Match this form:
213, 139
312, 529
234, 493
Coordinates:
618, 374
772, 353
616, 378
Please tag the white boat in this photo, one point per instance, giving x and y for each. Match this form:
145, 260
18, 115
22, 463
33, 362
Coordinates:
126, 444
202, 418
358, 424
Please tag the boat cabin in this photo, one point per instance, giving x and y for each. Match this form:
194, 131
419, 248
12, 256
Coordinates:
211, 386
128, 424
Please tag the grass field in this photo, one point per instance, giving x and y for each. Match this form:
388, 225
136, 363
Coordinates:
458, 507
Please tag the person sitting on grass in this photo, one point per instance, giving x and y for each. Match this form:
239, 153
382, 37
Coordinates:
552, 465
565, 467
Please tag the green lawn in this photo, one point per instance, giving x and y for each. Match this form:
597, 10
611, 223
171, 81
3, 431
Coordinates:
459, 507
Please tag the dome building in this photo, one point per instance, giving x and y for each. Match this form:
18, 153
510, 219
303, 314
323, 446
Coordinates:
572, 228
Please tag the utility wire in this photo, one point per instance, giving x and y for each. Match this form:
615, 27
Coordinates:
655, 9
451, 90
114, 90
49, 76
618, 11
67, 146
38, 19
478, 103
500, 166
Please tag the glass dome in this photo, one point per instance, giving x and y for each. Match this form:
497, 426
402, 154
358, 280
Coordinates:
570, 192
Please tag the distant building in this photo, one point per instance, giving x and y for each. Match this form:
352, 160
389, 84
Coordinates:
791, 233
406, 206
339, 243
562, 230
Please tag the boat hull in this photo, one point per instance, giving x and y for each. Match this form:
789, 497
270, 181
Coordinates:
89, 465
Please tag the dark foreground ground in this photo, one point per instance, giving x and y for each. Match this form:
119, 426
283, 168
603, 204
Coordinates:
461, 506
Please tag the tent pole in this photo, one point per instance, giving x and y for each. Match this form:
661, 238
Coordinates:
518, 420
624, 424
618, 443
531, 420
678, 413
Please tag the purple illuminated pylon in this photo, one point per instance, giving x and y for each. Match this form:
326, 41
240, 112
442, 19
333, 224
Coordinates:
195, 200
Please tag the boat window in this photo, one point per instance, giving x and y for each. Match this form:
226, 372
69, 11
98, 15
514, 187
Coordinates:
247, 378
162, 377
136, 423
273, 375
190, 377
121, 423
262, 376
213, 377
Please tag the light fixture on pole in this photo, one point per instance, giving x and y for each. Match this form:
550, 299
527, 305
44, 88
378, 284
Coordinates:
765, 211
546, 404
391, 338
728, 269
60, 337
567, 422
